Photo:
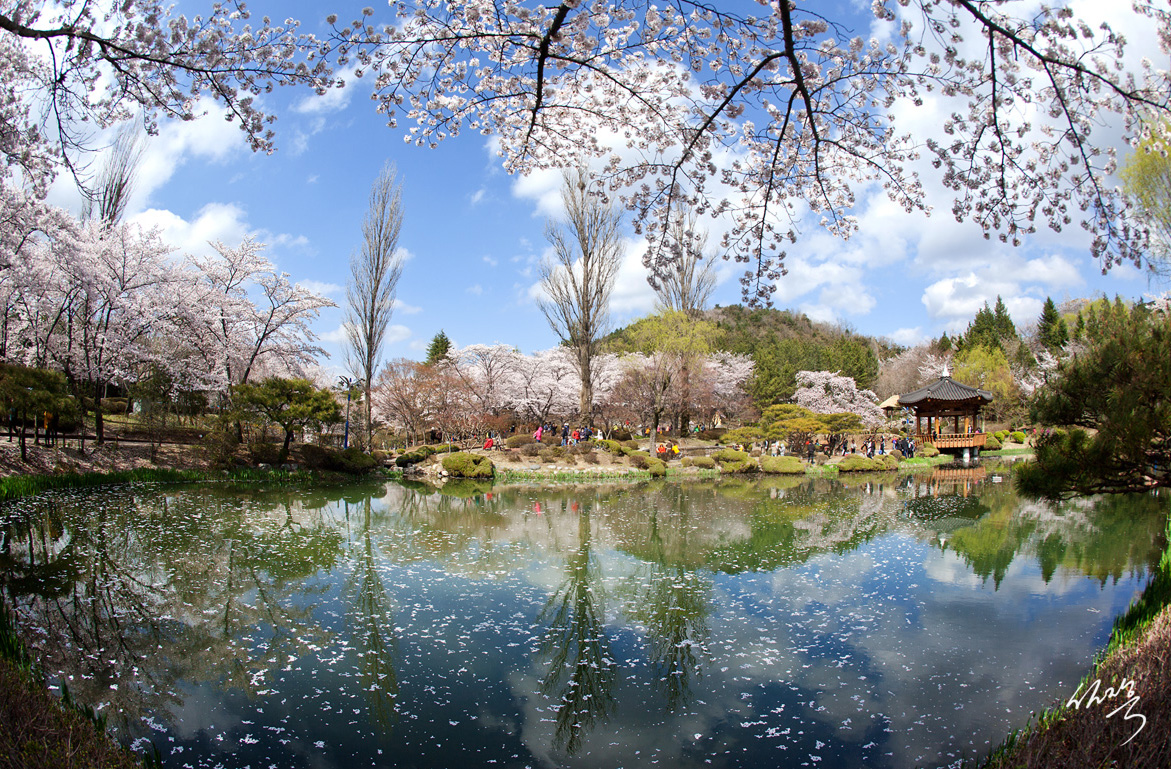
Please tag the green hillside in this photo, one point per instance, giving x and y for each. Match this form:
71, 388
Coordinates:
781, 343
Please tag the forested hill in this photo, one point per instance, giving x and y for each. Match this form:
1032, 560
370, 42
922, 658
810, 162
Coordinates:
781, 343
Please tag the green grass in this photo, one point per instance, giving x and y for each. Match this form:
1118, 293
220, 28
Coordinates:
1007, 452
569, 476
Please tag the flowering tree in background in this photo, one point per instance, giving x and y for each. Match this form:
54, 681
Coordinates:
823, 392
488, 373
764, 118
236, 332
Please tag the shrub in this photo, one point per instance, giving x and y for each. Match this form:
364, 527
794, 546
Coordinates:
352, 460
219, 445
704, 462
379, 457
1018, 437
464, 464
591, 457
614, 447
547, 455
264, 453
657, 467
782, 465
891, 461
754, 453
1001, 435
551, 438
991, 443
713, 434
632, 445
516, 441
856, 463
620, 434
530, 449
928, 451
644, 461
410, 458
730, 455
115, 405
558, 451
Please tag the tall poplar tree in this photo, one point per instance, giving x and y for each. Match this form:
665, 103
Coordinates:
374, 276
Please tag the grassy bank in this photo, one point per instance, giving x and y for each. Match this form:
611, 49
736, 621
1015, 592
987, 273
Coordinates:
1097, 727
41, 731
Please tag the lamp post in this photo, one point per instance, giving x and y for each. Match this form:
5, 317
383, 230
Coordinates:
348, 383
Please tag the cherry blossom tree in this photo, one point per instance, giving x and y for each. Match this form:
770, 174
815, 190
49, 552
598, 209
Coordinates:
646, 388
720, 387
488, 373
246, 313
547, 382
71, 68
764, 119
823, 392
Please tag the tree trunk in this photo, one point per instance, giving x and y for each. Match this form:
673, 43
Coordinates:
684, 421
99, 426
284, 455
585, 405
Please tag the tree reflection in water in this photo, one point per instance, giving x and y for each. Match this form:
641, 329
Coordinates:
580, 672
673, 603
370, 615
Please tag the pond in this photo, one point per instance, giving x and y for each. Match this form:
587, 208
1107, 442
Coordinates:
732, 623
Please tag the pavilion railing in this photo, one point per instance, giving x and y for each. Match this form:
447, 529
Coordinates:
954, 441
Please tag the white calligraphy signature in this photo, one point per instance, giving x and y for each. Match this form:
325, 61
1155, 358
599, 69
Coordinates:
1094, 695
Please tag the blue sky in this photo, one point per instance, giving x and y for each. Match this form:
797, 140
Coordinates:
474, 235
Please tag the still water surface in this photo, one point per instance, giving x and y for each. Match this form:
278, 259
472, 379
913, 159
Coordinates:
885, 623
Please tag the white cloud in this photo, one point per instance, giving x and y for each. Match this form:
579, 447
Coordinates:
320, 287
215, 221
478, 195
544, 188
335, 99
907, 337
337, 336
475, 290
406, 309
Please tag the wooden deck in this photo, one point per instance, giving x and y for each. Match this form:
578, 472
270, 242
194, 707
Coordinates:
966, 441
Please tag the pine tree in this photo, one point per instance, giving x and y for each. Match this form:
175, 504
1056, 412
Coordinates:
439, 347
1052, 331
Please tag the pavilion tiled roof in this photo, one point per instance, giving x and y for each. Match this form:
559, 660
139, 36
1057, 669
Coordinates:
944, 389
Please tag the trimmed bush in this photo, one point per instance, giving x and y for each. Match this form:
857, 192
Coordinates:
620, 434
705, 462
644, 461
1018, 437
856, 463
782, 465
928, 451
711, 435
1001, 435
464, 464
733, 461
991, 443
730, 455
614, 447
410, 458
352, 460
890, 460
530, 449
115, 405
591, 457
516, 441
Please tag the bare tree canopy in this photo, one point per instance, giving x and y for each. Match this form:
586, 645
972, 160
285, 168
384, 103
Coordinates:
783, 118
578, 280
685, 281
109, 193
374, 276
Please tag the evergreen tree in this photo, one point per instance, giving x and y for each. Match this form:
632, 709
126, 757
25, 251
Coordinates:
1118, 388
1052, 331
440, 346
